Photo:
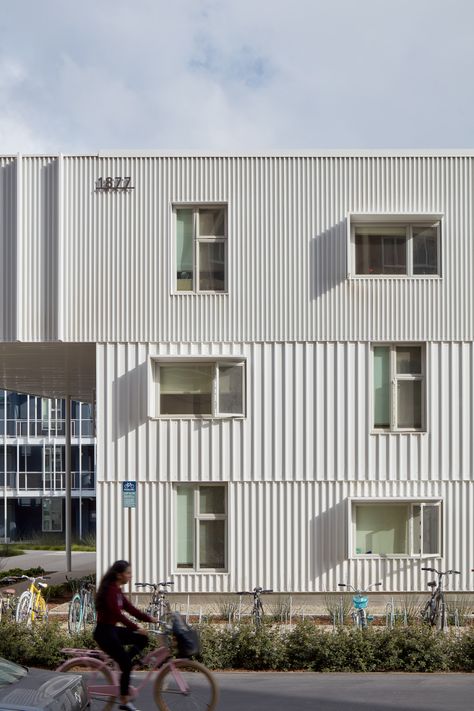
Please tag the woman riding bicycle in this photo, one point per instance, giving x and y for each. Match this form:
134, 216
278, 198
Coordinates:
110, 604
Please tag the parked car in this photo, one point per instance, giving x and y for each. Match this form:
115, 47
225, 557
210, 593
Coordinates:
23, 689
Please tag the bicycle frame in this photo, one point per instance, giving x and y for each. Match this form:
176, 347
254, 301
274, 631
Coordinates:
257, 608
360, 602
35, 596
156, 659
159, 605
434, 610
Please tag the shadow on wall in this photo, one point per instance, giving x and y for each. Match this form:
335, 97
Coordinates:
328, 259
328, 540
129, 400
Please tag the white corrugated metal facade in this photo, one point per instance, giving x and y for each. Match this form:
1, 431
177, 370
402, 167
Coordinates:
85, 266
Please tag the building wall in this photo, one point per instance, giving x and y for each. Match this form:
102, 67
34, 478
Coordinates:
93, 266
289, 536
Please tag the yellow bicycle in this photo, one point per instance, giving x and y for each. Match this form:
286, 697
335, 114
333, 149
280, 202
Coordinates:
32, 605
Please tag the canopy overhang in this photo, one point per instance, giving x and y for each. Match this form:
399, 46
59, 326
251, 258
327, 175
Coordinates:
53, 370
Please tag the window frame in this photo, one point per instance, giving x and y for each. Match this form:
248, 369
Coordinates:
197, 518
394, 379
409, 221
157, 361
353, 502
196, 207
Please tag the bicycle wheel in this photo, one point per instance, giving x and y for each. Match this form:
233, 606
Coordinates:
95, 675
184, 684
441, 618
74, 616
23, 613
89, 614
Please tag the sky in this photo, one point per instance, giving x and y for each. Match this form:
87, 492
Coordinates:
235, 75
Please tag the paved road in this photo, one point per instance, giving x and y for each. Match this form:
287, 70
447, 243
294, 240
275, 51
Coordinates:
83, 563
338, 692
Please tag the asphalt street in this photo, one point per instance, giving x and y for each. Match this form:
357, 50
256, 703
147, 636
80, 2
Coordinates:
306, 691
83, 563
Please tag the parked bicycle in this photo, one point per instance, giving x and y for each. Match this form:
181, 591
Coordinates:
8, 598
82, 607
179, 683
32, 605
257, 607
159, 605
435, 610
360, 601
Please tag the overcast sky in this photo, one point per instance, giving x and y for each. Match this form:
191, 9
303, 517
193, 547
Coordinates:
85, 75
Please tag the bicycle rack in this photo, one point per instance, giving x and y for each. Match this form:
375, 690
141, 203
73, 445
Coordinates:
390, 614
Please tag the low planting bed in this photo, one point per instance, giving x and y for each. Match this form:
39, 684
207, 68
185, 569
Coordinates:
305, 647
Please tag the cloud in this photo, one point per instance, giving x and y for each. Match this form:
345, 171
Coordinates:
235, 74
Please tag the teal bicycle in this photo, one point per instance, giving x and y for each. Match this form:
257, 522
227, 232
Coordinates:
360, 601
82, 608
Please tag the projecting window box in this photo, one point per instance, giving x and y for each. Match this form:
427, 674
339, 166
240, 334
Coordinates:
392, 245
395, 528
200, 388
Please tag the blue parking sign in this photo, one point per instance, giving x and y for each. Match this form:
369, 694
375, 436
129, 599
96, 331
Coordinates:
129, 494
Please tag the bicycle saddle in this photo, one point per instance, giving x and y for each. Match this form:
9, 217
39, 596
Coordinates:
432, 584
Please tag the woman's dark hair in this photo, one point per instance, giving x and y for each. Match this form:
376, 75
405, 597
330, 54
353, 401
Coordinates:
110, 577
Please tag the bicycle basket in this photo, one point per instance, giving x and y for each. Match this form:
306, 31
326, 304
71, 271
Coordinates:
187, 638
360, 602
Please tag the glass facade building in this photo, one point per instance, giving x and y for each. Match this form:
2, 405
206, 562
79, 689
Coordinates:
32, 467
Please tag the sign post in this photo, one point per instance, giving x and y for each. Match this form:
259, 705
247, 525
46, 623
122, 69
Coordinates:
129, 501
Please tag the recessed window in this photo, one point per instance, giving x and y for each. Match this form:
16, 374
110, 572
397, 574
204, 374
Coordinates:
398, 387
403, 249
201, 248
396, 528
214, 388
52, 515
201, 527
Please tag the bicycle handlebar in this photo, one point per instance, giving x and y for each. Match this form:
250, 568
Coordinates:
358, 590
261, 591
446, 572
33, 580
154, 585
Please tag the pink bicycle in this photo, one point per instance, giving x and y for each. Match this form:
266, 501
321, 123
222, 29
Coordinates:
178, 683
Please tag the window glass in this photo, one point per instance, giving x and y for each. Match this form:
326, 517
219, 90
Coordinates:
186, 389
184, 250
10, 673
212, 544
230, 389
185, 525
212, 266
431, 530
52, 513
212, 222
409, 404
382, 529
212, 499
382, 386
425, 250
380, 250
408, 360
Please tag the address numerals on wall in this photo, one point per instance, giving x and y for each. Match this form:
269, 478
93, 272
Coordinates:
117, 184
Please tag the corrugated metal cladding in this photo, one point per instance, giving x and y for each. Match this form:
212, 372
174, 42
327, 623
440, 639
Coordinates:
287, 536
308, 417
8, 248
97, 266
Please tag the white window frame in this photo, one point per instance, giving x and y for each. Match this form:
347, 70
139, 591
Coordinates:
412, 502
197, 239
394, 379
154, 399
197, 517
408, 220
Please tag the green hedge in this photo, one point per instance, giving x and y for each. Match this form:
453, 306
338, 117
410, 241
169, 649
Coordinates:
309, 647
305, 647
